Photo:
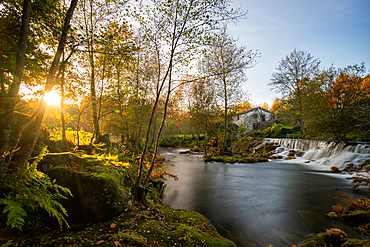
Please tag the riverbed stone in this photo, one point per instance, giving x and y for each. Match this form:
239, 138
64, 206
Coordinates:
333, 215
332, 237
358, 217
97, 195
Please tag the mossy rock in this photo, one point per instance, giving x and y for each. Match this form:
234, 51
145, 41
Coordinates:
356, 243
358, 217
97, 194
156, 225
181, 227
332, 237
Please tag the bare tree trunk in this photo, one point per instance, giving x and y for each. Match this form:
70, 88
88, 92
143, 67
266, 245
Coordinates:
64, 137
96, 132
143, 154
137, 138
142, 157
146, 181
77, 131
93, 98
301, 117
225, 118
7, 119
100, 98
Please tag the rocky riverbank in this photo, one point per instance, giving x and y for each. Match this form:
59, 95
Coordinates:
155, 225
102, 211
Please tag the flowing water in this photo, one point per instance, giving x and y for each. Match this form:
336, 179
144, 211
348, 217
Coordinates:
278, 202
328, 154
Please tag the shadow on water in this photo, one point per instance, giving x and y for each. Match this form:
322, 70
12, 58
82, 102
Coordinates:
277, 202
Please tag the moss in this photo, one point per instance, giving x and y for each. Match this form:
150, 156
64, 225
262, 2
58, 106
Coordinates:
98, 194
132, 238
247, 158
358, 212
355, 243
332, 237
183, 227
317, 240
358, 217
155, 226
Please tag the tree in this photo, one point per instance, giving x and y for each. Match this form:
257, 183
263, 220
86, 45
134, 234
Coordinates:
276, 105
34, 122
14, 88
245, 106
175, 30
291, 79
340, 102
92, 19
265, 106
226, 63
32, 137
204, 111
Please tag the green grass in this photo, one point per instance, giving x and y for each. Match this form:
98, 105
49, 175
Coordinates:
85, 137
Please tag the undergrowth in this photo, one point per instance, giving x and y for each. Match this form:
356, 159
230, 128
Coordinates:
348, 204
24, 194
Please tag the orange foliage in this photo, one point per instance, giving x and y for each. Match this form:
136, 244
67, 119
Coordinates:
275, 106
346, 90
365, 87
265, 106
243, 107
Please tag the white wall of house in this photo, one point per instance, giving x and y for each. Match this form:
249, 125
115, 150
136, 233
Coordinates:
255, 115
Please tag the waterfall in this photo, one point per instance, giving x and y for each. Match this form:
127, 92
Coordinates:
329, 154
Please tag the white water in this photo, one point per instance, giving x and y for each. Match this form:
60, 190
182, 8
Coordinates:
328, 154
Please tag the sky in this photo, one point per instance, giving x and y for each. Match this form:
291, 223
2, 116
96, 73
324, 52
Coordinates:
335, 31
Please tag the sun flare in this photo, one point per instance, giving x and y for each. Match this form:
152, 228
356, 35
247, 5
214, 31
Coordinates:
52, 98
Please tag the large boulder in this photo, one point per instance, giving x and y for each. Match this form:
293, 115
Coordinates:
97, 194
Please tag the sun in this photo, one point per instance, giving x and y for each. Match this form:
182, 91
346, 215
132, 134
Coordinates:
52, 98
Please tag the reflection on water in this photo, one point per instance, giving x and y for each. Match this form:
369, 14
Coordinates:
277, 203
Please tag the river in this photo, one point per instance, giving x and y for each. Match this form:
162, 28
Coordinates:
277, 202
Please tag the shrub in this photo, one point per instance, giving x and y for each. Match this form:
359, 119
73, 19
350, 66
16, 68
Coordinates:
267, 132
29, 191
256, 133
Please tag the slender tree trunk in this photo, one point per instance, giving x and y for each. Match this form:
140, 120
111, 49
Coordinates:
120, 105
100, 98
153, 134
7, 119
146, 181
205, 143
96, 132
93, 98
143, 154
64, 137
78, 129
137, 138
32, 137
301, 117
225, 118
299, 96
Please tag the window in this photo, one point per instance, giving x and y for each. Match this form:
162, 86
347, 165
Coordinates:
263, 118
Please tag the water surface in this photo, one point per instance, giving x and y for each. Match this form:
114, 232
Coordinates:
278, 202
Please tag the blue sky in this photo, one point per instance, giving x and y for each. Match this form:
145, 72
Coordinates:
335, 31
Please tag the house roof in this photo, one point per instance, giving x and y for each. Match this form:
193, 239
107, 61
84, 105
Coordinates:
253, 109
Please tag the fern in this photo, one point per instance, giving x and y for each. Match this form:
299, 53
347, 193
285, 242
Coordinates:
15, 213
30, 191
